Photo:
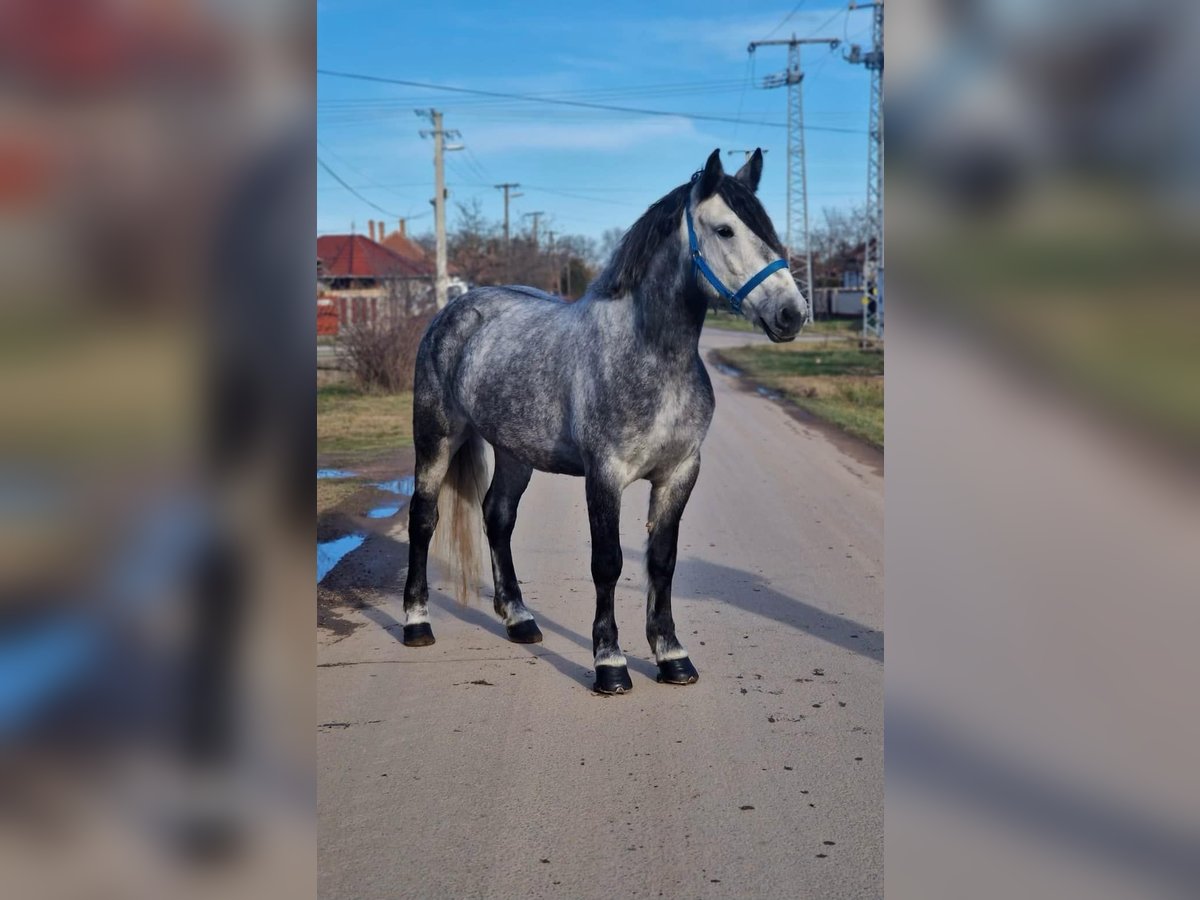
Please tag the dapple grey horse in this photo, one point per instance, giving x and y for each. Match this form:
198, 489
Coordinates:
611, 388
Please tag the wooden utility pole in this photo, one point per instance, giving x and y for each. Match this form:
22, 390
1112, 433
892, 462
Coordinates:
535, 216
507, 187
440, 148
553, 261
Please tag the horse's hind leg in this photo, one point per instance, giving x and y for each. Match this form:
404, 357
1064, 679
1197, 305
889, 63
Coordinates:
500, 517
668, 497
433, 452
604, 516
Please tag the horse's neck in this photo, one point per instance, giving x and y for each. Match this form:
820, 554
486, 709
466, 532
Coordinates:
669, 307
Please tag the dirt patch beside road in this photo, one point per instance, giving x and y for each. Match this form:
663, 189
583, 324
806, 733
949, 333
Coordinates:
361, 514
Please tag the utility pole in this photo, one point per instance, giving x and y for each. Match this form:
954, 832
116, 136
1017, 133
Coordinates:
440, 148
872, 61
507, 187
553, 261
797, 173
535, 216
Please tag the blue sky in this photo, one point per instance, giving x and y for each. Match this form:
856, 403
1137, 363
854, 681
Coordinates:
586, 170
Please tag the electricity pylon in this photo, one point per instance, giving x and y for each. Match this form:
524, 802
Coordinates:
872, 60
797, 176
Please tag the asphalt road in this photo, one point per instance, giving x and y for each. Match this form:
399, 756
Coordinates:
481, 768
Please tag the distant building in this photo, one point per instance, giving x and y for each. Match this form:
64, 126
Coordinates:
401, 243
841, 283
360, 281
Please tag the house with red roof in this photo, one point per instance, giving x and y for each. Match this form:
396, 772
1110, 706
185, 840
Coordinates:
360, 281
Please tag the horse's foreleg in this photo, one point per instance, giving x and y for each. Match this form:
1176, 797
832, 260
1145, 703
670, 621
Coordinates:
500, 517
432, 462
604, 516
667, 500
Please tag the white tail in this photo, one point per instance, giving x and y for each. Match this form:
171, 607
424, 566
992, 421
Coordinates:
460, 517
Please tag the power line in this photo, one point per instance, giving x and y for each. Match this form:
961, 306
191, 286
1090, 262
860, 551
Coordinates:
745, 83
602, 93
821, 27
786, 19
563, 102
475, 163
567, 194
338, 178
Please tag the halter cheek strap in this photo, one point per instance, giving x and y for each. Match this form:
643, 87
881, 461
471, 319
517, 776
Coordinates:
698, 260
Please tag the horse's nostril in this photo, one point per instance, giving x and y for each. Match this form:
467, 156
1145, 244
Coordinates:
787, 319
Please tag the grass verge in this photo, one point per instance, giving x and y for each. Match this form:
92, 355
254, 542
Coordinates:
331, 493
727, 321
835, 381
350, 420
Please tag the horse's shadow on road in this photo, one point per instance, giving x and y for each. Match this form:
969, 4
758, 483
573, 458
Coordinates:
699, 579
695, 579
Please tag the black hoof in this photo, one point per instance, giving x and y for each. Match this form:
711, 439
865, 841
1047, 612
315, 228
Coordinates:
419, 635
525, 632
677, 671
612, 680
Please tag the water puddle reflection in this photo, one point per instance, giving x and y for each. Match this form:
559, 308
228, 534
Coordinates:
402, 486
383, 512
330, 553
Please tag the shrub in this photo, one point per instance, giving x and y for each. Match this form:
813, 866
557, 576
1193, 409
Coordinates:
381, 354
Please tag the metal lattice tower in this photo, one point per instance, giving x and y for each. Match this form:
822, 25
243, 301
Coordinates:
797, 171
872, 61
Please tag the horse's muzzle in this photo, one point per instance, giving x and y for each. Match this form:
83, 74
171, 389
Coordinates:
786, 322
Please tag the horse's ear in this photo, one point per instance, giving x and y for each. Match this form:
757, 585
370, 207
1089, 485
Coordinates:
710, 177
751, 172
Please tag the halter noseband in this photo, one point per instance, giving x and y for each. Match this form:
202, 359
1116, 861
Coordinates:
735, 299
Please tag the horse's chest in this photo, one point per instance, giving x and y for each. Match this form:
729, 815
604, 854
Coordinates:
671, 431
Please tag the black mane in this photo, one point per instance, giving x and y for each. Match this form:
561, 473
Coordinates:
631, 260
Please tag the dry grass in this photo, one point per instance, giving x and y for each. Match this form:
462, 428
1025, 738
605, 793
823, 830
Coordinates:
727, 321
331, 493
350, 420
853, 404
833, 380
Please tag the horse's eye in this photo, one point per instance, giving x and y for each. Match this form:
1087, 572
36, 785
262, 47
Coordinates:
724, 231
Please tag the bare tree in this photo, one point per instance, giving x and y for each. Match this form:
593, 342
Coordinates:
841, 231
607, 244
475, 247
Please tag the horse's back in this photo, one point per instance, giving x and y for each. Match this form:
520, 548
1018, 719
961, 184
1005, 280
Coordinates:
501, 360
453, 328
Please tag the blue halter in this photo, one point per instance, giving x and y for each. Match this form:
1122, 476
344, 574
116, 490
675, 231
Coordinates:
735, 299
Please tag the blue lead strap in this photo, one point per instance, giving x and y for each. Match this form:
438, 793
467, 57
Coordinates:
735, 300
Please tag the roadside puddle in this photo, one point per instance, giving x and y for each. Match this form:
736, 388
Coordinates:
330, 553
402, 486
729, 370
383, 512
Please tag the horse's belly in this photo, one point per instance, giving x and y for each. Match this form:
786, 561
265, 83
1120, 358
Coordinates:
541, 448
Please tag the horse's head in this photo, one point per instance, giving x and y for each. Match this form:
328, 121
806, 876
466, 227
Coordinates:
737, 244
